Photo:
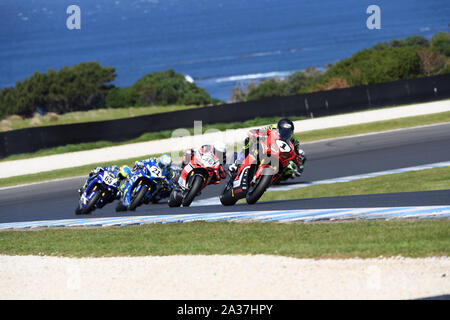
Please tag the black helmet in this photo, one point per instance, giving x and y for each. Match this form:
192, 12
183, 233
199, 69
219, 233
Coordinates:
285, 128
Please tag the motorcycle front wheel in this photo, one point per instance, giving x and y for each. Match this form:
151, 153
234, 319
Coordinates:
256, 191
91, 203
175, 198
196, 186
138, 198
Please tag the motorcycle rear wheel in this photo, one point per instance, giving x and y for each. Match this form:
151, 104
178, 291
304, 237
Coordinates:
226, 197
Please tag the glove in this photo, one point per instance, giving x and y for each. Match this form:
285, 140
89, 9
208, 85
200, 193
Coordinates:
301, 155
295, 169
95, 171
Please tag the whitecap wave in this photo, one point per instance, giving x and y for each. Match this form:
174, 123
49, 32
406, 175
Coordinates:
189, 78
255, 76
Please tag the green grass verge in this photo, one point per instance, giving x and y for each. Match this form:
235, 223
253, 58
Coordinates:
15, 122
408, 238
423, 180
377, 126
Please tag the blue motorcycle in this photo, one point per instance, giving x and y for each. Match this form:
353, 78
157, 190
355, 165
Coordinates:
142, 185
101, 190
163, 188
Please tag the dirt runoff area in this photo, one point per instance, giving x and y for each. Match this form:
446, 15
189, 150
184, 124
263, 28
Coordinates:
222, 277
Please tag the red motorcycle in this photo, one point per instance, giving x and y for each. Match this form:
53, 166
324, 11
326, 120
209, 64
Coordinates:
203, 169
261, 168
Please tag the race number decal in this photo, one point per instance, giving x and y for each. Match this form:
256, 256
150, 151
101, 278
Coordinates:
284, 147
109, 179
155, 171
208, 159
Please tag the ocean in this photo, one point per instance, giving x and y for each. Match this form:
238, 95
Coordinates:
220, 44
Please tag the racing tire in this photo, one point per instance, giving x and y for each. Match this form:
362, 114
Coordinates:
256, 192
90, 206
227, 199
77, 210
197, 183
137, 201
175, 199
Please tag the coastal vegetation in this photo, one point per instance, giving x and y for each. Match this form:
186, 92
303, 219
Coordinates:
87, 86
159, 88
409, 58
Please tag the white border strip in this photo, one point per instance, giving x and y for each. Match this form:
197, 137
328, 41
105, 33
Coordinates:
424, 212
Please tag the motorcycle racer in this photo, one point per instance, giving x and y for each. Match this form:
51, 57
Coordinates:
218, 149
164, 162
285, 128
121, 173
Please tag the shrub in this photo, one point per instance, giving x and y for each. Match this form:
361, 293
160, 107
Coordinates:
377, 65
293, 84
268, 88
333, 83
408, 42
432, 62
121, 97
80, 87
169, 88
441, 43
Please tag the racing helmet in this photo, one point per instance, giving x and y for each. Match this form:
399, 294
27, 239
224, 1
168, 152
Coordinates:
220, 150
285, 128
124, 172
165, 161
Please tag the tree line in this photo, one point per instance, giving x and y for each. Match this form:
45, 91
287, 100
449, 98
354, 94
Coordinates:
88, 86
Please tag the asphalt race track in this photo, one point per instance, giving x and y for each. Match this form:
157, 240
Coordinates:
326, 159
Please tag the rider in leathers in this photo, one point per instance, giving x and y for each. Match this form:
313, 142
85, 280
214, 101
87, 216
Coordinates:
285, 128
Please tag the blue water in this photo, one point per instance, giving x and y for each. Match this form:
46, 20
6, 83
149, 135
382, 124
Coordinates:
219, 43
